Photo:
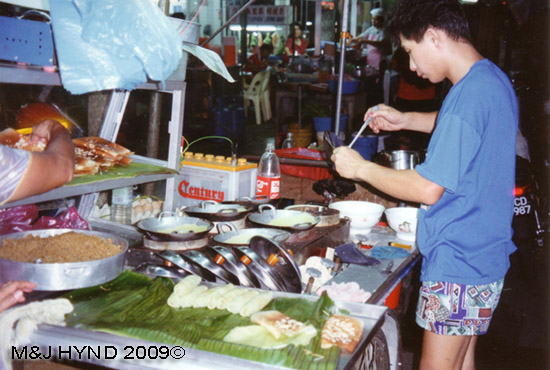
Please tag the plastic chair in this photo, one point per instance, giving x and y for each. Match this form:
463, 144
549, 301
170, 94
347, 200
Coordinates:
255, 94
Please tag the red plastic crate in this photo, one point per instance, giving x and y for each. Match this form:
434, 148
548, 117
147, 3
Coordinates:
308, 172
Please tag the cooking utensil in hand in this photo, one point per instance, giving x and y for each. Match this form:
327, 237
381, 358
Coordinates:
331, 141
362, 128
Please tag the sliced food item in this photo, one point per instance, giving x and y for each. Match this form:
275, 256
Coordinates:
187, 300
14, 139
187, 284
256, 304
229, 296
219, 292
277, 323
342, 331
102, 146
84, 166
258, 336
237, 304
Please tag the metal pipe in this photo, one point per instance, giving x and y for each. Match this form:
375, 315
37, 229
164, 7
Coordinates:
231, 19
343, 32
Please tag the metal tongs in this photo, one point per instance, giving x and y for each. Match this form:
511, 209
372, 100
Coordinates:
362, 128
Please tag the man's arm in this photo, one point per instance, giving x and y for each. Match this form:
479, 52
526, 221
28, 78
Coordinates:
386, 118
51, 168
406, 185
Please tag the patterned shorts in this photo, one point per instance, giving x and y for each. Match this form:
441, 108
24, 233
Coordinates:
457, 309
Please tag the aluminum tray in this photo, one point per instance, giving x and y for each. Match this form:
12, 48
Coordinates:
54, 337
64, 276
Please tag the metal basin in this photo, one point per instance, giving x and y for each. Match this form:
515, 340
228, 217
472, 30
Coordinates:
64, 276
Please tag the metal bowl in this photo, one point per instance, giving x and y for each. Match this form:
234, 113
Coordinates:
269, 216
164, 227
64, 276
235, 237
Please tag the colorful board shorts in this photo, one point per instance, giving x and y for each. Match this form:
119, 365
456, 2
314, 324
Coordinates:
457, 309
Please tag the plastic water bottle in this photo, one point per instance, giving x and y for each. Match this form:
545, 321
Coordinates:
268, 181
121, 205
288, 142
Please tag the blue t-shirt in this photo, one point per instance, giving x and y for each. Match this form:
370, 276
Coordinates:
466, 236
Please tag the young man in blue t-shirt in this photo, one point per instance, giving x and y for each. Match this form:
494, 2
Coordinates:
465, 184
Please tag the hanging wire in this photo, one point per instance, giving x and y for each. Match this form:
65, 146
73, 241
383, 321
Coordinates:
206, 137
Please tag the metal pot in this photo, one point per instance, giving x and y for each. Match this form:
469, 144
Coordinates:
217, 212
64, 276
170, 227
269, 216
328, 216
398, 159
242, 237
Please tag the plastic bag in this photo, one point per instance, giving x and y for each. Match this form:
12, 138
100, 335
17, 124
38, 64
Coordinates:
112, 44
17, 219
22, 218
70, 219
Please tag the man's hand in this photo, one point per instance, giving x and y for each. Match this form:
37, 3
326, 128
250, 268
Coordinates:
347, 162
44, 131
385, 118
12, 293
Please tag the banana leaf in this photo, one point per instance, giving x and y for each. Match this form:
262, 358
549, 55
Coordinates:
134, 305
121, 171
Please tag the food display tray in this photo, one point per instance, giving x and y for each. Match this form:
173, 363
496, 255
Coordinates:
52, 338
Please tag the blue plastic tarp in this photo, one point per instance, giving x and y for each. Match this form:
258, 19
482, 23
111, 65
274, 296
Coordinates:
112, 44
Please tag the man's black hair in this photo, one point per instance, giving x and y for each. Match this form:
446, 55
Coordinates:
411, 18
266, 46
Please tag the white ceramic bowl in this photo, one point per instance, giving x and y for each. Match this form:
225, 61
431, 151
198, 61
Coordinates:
403, 221
363, 215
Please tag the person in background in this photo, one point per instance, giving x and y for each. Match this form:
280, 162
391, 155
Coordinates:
24, 173
258, 61
374, 37
295, 44
465, 185
414, 94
